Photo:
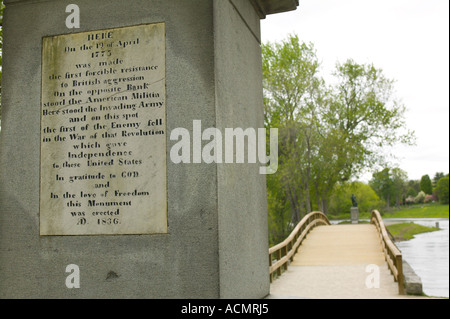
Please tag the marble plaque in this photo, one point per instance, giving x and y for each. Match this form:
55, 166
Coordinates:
103, 132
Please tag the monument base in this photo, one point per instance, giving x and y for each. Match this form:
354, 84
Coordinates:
106, 97
354, 213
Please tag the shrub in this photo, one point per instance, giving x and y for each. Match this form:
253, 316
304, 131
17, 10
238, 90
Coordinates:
428, 199
420, 198
410, 200
411, 192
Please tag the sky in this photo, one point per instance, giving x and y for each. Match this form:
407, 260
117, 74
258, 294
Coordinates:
408, 40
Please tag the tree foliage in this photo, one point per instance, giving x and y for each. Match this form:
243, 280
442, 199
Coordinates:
366, 110
411, 192
442, 190
437, 177
291, 81
328, 134
391, 185
426, 185
340, 200
382, 183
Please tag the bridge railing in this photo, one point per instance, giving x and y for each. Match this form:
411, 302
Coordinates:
392, 254
282, 254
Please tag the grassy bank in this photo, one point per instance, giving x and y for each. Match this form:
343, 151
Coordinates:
362, 215
416, 211
406, 231
422, 211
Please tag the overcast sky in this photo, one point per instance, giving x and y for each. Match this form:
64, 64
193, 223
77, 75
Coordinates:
408, 39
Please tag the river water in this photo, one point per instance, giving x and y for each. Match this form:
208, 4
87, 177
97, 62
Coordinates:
428, 255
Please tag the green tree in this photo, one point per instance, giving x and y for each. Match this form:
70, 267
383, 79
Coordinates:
327, 134
425, 185
340, 200
291, 79
400, 186
411, 192
382, 183
279, 211
437, 177
442, 190
415, 185
391, 185
366, 109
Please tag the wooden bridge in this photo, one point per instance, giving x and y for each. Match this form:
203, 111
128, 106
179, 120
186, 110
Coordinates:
320, 260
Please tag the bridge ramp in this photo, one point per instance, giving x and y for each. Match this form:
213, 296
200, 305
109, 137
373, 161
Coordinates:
338, 261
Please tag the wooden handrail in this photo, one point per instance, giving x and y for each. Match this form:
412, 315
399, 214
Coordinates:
392, 254
284, 252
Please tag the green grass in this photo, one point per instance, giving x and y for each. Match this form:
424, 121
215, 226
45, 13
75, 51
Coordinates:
362, 215
406, 231
416, 211
423, 211
349, 222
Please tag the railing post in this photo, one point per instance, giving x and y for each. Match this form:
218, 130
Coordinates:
279, 258
270, 265
295, 240
285, 251
401, 282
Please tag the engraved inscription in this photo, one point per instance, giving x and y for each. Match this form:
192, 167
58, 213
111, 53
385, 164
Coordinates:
103, 133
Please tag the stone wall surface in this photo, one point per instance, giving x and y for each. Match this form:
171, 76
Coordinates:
216, 241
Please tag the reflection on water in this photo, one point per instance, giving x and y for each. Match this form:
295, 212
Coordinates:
428, 256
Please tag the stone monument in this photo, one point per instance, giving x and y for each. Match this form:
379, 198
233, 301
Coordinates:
91, 206
354, 211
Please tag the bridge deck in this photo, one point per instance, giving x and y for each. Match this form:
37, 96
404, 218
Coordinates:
332, 263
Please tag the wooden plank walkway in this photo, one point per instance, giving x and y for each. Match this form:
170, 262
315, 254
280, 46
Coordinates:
334, 262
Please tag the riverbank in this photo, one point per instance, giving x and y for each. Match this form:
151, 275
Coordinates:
419, 211
428, 255
415, 211
407, 231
